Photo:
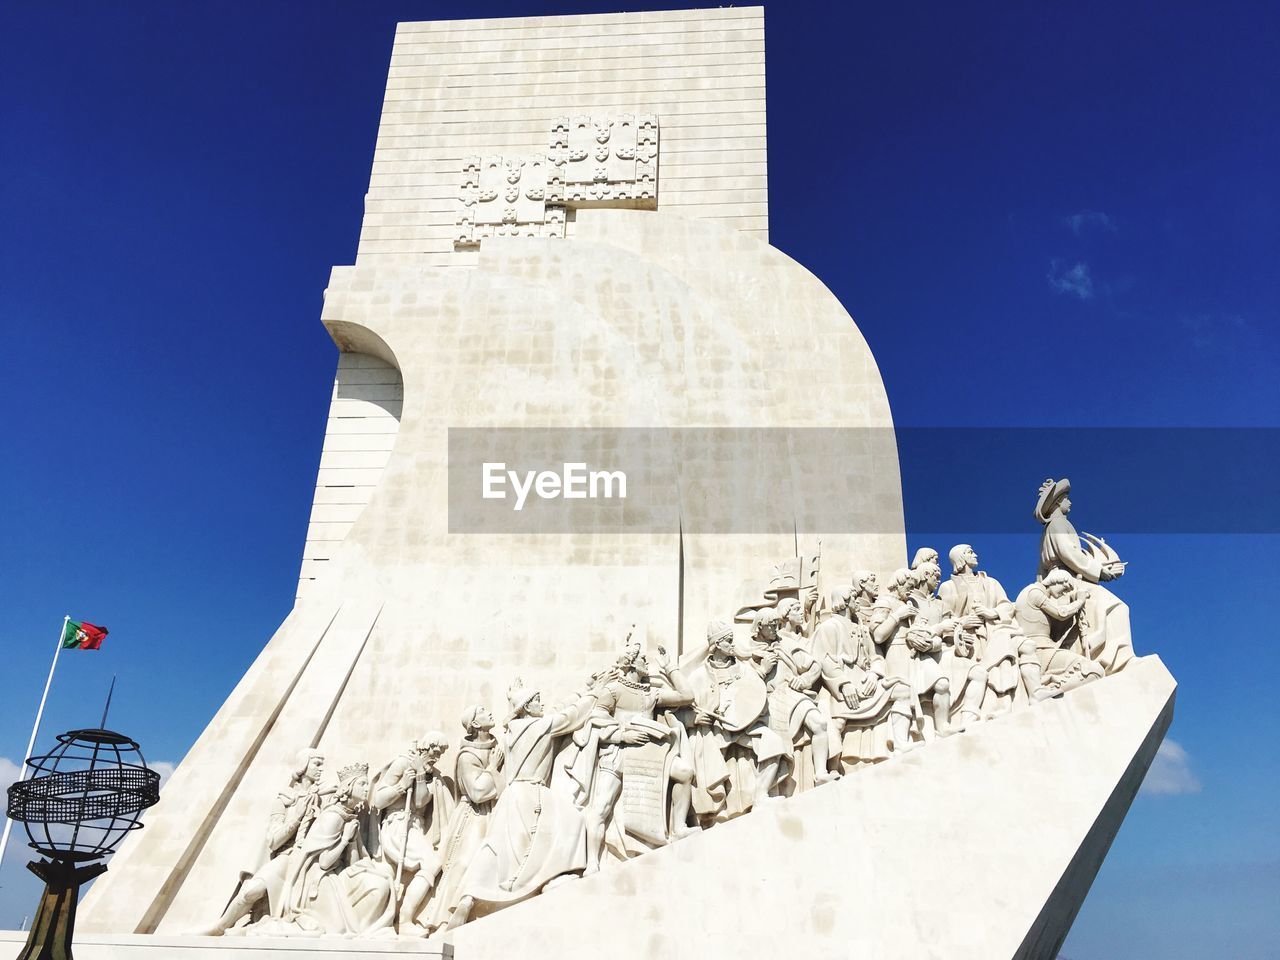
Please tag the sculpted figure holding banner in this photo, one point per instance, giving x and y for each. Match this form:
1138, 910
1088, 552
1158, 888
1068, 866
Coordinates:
414, 801
1106, 637
336, 888
535, 836
478, 777
1048, 611
737, 757
869, 712
632, 752
984, 613
292, 813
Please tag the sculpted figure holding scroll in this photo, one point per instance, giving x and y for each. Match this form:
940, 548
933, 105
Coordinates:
636, 747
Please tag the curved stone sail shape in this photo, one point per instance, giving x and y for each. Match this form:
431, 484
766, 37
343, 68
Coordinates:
668, 318
556, 293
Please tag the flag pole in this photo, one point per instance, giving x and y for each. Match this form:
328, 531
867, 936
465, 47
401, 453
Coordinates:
35, 730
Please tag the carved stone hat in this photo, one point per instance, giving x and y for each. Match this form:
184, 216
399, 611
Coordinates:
518, 695
718, 630
1052, 493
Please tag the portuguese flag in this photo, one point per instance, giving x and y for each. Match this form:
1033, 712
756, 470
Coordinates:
82, 635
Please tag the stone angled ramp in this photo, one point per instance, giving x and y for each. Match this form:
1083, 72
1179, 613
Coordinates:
1013, 817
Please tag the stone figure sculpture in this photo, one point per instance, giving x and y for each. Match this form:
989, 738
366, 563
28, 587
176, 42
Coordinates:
644, 756
984, 614
414, 801
1106, 636
478, 776
737, 757
792, 678
1048, 612
870, 713
635, 752
292, 813
335, 888
948, 653
535, 836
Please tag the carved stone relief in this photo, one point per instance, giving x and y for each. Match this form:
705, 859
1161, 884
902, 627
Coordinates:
643, 756
509, 197
606, 159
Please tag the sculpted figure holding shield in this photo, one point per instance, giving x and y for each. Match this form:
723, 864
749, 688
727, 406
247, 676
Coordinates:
737, 758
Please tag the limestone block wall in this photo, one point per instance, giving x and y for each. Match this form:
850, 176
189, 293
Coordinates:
364, 417
466, 87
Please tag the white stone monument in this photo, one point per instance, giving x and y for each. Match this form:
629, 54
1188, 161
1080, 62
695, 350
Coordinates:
566, 228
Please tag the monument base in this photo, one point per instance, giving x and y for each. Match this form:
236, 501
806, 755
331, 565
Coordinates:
146, 947
977, 847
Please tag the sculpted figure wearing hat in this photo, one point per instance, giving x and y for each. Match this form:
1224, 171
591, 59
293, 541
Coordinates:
478, 775
633, 750
335, 888
414, 801
1107, 637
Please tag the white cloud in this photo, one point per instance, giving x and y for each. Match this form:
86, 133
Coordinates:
1170, 773
9, 772
1085, 219
164, 768
1075, 280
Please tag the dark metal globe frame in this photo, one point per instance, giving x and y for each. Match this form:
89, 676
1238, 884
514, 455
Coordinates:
81, 800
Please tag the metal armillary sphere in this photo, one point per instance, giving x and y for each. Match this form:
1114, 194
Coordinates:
77, 805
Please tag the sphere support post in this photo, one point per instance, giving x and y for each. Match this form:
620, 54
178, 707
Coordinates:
51, 931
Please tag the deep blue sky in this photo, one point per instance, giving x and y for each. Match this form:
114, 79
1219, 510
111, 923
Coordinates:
1040, 215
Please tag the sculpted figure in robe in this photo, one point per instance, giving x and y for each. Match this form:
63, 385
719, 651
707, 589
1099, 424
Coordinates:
942, 651
888, 619
792, 678
414, 801
335, 888
635, 750
292, 813
1048, 612
1107, 638
478, 776
984, 613
870, 713
536, 836
737, 757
